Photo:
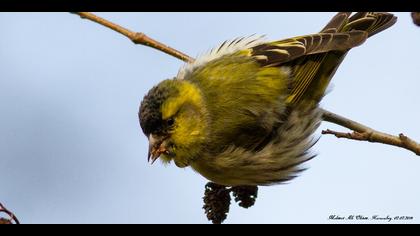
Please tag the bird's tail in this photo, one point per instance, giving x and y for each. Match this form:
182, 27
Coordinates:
370, 22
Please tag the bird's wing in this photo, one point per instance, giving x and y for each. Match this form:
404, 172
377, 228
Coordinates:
314, 58
305, 55
279, 52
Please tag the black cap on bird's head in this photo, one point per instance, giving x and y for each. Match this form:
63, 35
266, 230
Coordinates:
150, 114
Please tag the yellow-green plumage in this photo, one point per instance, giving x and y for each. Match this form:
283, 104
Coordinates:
244, 114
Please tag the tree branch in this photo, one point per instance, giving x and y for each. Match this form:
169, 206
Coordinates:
135, 37
10, 214
364, 133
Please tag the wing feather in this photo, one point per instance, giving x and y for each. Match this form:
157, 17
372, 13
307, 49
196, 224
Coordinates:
281, 52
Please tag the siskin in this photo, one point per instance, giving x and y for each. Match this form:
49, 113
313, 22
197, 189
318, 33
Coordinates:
245, 113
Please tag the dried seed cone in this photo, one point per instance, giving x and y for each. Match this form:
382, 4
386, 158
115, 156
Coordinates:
416, 18
216, 202
245, 196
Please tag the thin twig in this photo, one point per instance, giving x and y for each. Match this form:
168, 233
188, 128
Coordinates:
364, 133
9, 213
136, 37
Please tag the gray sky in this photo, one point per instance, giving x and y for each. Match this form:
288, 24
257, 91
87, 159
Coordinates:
72, 151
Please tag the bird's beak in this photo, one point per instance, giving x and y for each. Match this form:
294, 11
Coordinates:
156, 147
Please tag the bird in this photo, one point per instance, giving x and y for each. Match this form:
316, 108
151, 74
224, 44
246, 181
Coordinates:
245, 113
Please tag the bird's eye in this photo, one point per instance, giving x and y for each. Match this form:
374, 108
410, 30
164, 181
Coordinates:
170, 121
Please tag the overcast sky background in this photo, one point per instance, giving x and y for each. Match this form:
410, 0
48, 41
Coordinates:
71, 148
